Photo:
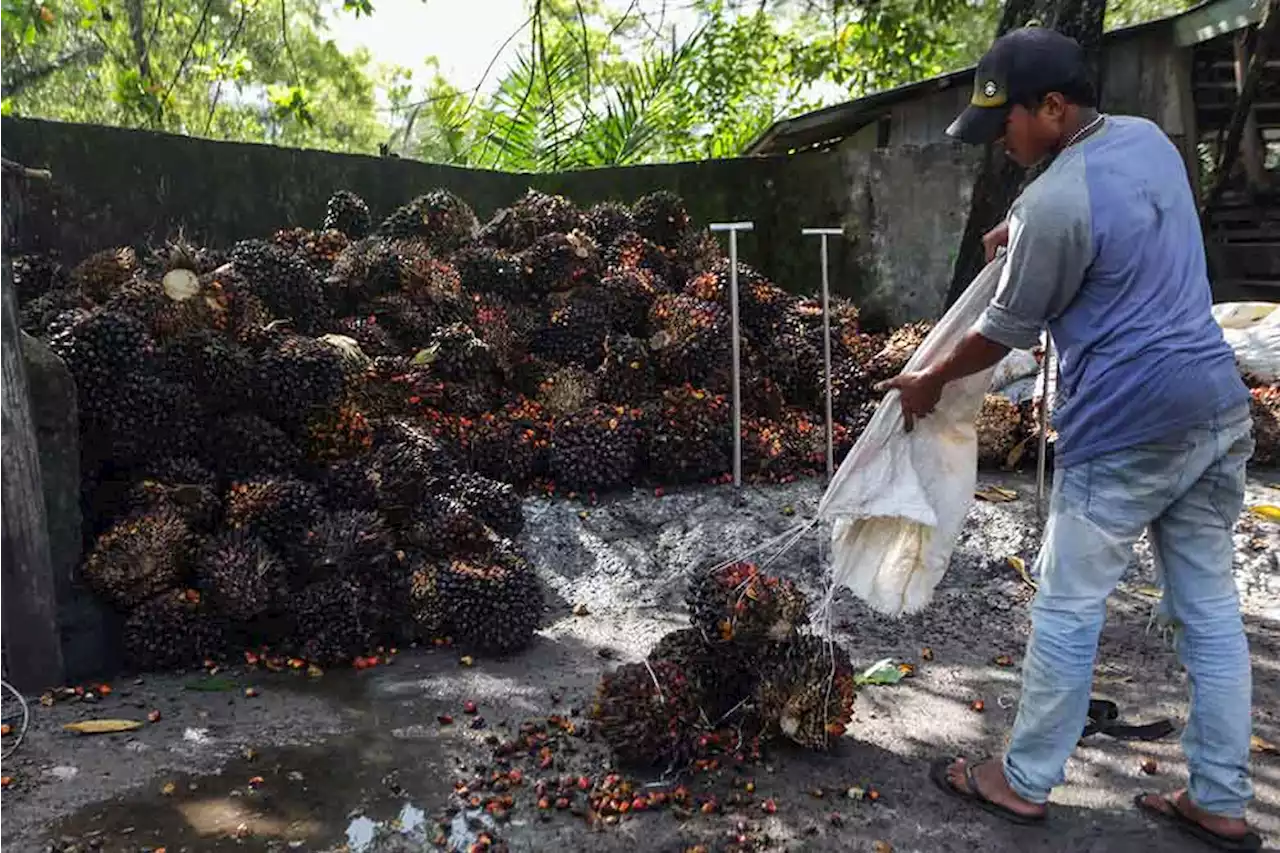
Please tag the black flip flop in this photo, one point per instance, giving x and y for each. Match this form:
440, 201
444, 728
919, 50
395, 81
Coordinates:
938, 773
1250, 841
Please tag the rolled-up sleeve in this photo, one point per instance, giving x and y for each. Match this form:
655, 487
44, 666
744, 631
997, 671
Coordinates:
1050, 249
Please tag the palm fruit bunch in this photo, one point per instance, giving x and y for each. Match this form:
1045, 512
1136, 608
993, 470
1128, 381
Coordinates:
510, 444
372, 338
365, 270
575, 331
138, 557
647, 713
458, 355
494, 601
740, 604
171, 630
337, 618
515, 228
407, 324
629, 251
137, 418
103, 273
999, 428
240, 575
433, 285
428, 617
339, 433
901, 344
567, 390
35, 276
560, 262
349, 544
288, 287
318, 248
761, 304
220, 371
407, 463
297, 378
180, 485
690, 436
280, 511
243, 445
1265, 405
507, 329
795, 363
347, 212
606, 221
595, 449
721, 677
626, 374
692, 341
39, 312
770, 452
661, 217
697, 252
100, 347
628, 294
806, 691
441, 526
492, 501
347, 484
483, 269
445, 220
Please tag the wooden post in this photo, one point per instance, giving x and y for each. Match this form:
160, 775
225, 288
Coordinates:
31, 641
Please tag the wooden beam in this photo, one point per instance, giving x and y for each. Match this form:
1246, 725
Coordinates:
1215, 19
32, 639
1267, 32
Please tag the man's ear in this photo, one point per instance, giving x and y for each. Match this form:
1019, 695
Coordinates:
1055, 105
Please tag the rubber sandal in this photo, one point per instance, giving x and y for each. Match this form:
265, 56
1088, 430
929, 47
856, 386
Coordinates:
1175, 818
938, 773
1104, 718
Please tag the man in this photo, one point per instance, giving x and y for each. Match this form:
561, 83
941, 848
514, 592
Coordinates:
1105, 249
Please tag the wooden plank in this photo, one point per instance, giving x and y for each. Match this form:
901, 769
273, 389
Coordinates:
31, 639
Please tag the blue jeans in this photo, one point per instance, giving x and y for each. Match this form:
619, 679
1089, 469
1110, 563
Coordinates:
1188, 492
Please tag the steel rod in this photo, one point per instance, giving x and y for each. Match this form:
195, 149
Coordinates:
1041, 466
735, 338
824, 233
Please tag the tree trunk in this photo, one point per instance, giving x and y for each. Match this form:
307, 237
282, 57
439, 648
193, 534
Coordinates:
32, 644
1000, 178
1268, 31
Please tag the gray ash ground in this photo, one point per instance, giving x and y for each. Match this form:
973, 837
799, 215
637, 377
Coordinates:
360, 761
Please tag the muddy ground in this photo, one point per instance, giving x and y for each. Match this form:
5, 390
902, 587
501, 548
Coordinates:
360, 761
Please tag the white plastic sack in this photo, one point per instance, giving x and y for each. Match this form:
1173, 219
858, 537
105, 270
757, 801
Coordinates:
1252, 329
899, 499
1019, 364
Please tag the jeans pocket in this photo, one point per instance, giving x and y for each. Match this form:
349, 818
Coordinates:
1127, 489
1229, 477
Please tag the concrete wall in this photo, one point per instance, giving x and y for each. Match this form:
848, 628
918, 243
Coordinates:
901, 209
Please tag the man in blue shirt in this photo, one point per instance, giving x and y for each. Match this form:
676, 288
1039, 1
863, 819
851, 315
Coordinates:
1105, 250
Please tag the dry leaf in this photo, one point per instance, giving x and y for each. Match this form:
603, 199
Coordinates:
882, 847
1149, 591
1270, 512
1266, 747
100, 727
1020, 566
996, 494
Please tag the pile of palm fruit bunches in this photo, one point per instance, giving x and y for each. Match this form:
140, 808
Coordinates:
745, 672
318, 442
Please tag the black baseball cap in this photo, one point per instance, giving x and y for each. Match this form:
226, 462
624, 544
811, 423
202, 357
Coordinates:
1021, 65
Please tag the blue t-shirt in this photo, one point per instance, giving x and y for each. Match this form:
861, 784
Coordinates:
1105, 249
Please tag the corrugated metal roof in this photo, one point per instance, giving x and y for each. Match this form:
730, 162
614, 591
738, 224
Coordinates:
1201, 22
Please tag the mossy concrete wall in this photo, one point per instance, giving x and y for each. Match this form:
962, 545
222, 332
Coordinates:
902, 211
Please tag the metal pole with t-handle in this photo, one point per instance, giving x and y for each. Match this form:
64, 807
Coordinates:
824, 233
733, 228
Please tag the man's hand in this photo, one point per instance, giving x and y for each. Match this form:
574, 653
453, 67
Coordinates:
919, 390
994, 239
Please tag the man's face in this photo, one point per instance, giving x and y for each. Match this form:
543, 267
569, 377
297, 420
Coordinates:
1031, 134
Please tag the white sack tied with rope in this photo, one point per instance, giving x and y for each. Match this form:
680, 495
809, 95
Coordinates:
899, 499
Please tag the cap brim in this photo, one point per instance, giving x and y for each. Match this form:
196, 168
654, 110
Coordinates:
979, 125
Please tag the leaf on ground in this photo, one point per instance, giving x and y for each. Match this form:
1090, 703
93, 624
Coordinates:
102, 727
1019, 565
881, 672
996, 494
1015, 456
1266, 747
1268, 511
1149, 591
213, 684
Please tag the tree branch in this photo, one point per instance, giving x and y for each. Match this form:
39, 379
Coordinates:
1267, 29
17, 80
137, 34
226, 51
186, 55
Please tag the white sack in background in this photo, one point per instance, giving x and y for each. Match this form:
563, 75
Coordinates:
1253, 331
899, 499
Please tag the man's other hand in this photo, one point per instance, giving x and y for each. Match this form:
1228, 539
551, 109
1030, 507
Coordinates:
919, 393
994, 239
